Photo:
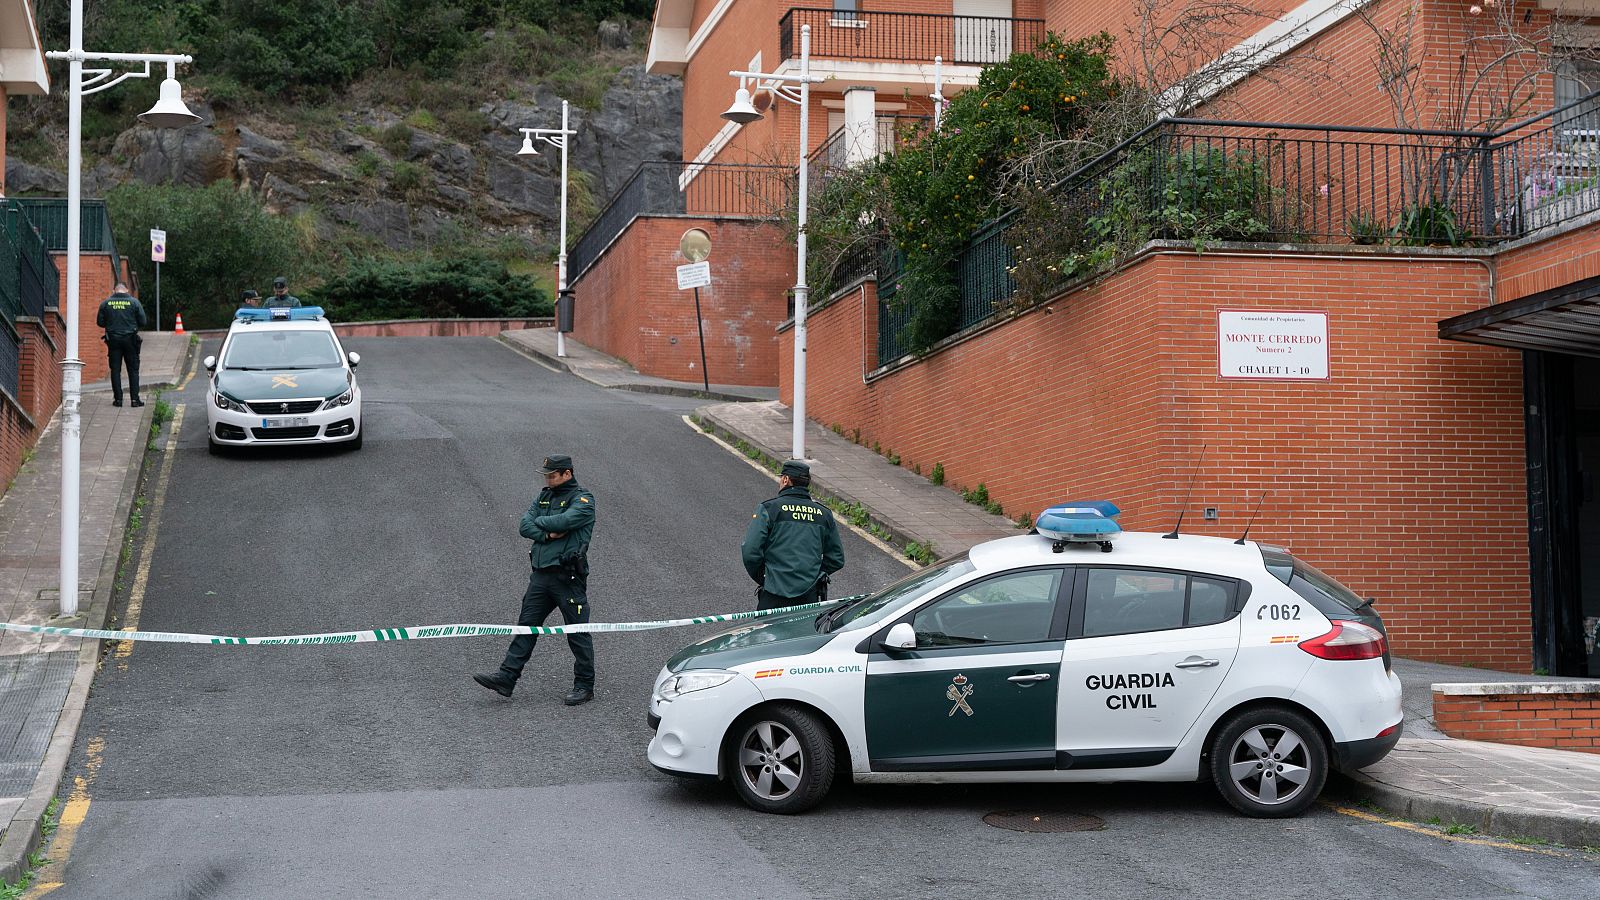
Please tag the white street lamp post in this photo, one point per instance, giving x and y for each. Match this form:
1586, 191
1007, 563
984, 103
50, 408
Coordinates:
744, 112
938, 92
169, 112
555, 137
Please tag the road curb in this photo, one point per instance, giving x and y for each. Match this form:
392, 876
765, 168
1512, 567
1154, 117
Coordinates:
1504, 821
557, 362
23, 836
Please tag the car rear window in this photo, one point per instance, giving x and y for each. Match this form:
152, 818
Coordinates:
1315, 586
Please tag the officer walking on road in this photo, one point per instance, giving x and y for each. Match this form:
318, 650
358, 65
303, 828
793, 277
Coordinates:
792, 543
559, 523
122, 315
280, 294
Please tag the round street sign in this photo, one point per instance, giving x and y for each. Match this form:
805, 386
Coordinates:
695, 245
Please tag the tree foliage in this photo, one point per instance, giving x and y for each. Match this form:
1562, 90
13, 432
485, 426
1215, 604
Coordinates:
458, 287
220, 241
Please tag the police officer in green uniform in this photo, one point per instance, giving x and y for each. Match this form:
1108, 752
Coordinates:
559, 523
792, 543
280, 294
122, 315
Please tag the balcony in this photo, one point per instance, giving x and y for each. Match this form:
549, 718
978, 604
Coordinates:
843, 149
887, 37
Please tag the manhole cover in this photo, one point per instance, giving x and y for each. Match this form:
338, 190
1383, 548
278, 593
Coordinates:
1037, 822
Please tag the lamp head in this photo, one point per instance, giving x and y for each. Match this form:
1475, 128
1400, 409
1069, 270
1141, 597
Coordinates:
170, 111
527, 146
742, 111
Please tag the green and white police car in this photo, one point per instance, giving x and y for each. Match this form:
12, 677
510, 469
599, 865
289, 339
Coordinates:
282, 377
1036, 658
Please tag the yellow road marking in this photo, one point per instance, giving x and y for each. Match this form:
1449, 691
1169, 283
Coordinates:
50, 875
141, 578
868, 536
1434, 832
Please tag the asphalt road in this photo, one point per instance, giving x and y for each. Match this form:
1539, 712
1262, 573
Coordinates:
382, 770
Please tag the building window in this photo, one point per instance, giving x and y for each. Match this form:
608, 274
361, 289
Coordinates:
845, 10
1575, 79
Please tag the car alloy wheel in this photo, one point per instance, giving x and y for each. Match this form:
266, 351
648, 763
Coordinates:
782, 760
1270, 762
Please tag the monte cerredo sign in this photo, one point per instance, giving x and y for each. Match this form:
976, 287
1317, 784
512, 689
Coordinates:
1272, 344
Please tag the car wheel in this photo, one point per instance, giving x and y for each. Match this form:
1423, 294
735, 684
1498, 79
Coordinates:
781, 760
1269, 763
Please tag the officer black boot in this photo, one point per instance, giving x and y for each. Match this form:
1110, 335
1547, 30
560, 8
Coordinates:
496, 682
580, 694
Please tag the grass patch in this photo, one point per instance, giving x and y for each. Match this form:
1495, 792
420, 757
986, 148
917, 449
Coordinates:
1460, 828
937, 475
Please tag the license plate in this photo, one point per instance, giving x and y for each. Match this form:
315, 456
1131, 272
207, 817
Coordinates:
293, 422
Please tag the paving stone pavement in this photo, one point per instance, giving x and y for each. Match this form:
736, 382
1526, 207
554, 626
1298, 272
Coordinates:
609, 372
44, 680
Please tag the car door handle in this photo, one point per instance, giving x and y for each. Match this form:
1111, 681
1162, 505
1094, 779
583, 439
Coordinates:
1197, 664
1026, 679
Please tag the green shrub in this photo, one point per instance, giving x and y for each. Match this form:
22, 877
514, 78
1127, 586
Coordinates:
367, 164
396, 138
458, 287
407, 178
937, 475
1364, 228
1429, 222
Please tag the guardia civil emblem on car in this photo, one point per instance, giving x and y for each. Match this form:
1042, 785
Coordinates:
959, 691
1099, 655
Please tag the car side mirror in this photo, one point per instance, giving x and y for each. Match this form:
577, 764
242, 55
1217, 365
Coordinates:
355, 358
210, 363
900, 637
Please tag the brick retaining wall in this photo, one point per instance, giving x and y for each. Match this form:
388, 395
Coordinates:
1560, 715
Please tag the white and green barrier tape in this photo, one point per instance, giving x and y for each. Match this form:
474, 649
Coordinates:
404, 633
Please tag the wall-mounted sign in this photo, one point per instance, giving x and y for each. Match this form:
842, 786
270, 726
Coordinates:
1272, 344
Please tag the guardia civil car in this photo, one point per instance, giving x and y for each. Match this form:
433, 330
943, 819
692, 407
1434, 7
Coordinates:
1073, 654
282, 377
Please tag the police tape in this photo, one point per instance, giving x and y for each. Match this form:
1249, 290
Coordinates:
408, 633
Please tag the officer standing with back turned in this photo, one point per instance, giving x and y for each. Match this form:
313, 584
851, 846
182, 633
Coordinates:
122, 315
559, 523
792, 543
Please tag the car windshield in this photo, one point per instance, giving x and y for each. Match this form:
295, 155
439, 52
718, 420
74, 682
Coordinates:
867, 612
282, 350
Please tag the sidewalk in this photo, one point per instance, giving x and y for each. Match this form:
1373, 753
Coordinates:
609, 372
44, 681
1499, 788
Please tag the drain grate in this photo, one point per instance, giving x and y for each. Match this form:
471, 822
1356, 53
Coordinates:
1039, 822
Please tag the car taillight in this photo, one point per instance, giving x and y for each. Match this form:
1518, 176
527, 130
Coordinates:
1347, 640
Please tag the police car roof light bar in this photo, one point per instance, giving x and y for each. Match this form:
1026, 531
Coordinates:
1252, 521
1080, 522
277, 314
1194, 469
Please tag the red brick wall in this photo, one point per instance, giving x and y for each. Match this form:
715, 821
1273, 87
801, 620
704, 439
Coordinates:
438, 327
2, 140
38, 392
1564, 259
95, 281
1559, 721
1392, 476
628, 303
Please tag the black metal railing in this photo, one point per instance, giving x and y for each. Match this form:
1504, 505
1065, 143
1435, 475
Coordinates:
49, 215
712, 190
38, 284
846, 146
910, 37
1209, 181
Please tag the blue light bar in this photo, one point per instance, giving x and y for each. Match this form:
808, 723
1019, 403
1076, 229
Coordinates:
1081, 521
277, 313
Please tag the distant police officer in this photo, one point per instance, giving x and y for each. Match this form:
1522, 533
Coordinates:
121, 315
559, 523
251, 298
280, 294
792, 543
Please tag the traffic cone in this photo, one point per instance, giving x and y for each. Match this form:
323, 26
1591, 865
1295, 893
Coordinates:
178, 329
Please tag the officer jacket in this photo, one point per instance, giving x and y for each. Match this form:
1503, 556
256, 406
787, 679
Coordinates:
286, 300
791, 542
120, 315
567, 510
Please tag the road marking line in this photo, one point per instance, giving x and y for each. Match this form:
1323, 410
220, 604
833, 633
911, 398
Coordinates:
50, 876
868, 536
1432, 832
141, 578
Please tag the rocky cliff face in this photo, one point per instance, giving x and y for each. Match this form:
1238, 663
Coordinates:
407, 187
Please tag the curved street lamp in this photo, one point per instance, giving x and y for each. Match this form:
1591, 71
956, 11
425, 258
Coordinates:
169, 112
555, 137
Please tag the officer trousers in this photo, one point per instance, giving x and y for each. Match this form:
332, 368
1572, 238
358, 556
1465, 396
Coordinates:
123, 349
768, 600
549, 590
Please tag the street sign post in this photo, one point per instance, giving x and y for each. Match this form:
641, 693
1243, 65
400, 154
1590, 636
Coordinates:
158, 255
695, 245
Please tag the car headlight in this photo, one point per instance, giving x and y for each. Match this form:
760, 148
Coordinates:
343, 399
690, 682
223, 402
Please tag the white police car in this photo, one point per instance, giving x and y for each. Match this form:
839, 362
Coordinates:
282, 377
1036, 658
